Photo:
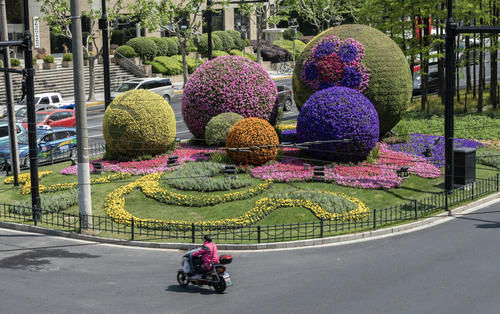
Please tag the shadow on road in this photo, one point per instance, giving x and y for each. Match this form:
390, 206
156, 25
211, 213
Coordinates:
189, 289
488, 224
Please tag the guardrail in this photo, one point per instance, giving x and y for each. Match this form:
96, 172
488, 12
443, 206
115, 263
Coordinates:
130, 65
133, 230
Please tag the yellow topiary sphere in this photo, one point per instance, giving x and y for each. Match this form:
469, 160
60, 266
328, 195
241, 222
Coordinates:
138, 123
253, 132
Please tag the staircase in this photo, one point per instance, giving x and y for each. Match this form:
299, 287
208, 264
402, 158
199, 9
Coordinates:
61, 80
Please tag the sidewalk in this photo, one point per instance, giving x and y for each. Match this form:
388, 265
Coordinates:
99, 97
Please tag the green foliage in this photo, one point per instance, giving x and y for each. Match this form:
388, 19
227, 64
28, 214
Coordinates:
68, 57
121, 36
126, 51
250, 56
145, 47
200, 176
390, 85
1, 64
218, 127
157, 67
221, 158
288, 45
288, 34
50, 202
173, 46
330, 202
239, 43
203, 45
191, 62
138, 123
227, 40
489, 157
373, 155
14, 62
218, 53
48, 59
172, 65
191, 47
161, 46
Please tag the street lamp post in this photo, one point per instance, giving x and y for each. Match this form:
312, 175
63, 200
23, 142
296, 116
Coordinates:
196, 43
293, 25
103, 25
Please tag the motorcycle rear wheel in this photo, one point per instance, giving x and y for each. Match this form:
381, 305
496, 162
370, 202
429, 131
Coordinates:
182, 279
220, 286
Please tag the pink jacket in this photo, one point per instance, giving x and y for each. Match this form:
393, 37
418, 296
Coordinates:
208, 254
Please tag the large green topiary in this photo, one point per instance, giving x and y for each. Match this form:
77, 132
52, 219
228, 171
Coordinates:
390, 83
218, 127
227, 40
145, 47
161, 45
239, 43
203, 44
138, 123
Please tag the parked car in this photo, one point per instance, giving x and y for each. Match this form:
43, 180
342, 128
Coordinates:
42, 102
53, 144
54, 118
4, 132
432, 86
285, 96
161, 86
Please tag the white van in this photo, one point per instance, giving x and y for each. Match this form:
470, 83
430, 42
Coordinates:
161, 86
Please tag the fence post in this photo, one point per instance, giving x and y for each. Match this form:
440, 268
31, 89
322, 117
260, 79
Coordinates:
192, 232
497, 183
321, 228
473, 185
374, 218
132, 231
80, 222
416, 209
258, 234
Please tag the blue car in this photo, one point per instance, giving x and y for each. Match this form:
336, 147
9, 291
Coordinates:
4, 132
53, 144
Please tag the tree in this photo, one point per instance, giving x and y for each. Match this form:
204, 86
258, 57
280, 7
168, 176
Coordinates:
58, 16
178, 18
323, 14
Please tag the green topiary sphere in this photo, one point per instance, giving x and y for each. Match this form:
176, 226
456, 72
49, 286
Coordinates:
138, 123
390, 82
218, 127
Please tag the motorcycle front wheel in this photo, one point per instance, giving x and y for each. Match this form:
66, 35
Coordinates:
182, 279
220, 286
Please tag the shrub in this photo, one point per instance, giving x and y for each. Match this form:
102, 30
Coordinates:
252, 132
48, 59
34, 60
157, 67
288, 34
218, 127
272, 52
239, 43
117, 37
1, 64
288, 45
227, 84
14, 62
68, 57
250, 56
218, 53
191, 46
173, 46
339, 113
191, 62
145, 47
390, 83
136, 123
125, 51
161, 46
172, 66
203, 45
227, 40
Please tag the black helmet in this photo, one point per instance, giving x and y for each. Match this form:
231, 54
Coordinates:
207, 238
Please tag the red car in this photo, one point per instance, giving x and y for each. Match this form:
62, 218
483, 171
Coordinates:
54, 118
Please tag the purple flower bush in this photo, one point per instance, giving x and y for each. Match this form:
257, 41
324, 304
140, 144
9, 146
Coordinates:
430, 147
227, 84
333, 62
339, 113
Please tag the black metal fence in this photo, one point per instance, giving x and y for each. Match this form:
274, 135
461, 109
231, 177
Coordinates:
134, 230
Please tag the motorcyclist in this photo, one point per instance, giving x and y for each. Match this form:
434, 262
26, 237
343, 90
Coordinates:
208, 254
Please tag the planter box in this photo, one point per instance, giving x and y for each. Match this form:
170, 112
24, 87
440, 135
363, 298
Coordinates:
67, 64
49, 66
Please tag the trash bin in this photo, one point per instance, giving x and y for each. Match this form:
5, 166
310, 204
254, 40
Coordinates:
465, 165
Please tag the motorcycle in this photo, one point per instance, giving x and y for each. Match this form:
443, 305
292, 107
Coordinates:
218, 277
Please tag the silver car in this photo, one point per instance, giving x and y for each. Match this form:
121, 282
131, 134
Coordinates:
161, 86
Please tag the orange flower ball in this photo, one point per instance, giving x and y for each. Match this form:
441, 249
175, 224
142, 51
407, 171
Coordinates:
254, 133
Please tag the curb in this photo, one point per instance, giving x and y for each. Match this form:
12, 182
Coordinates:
427, 222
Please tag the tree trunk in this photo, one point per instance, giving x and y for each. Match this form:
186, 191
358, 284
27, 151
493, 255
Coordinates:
457, 70
474, 74
184, 62
467, 63
442, 81
481, 75
92, 77
494, 73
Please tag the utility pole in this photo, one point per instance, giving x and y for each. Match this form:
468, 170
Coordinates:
103, 25
209, 28
4, 36
84, 197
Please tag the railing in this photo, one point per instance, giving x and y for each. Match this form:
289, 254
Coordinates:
131, 66
130, 229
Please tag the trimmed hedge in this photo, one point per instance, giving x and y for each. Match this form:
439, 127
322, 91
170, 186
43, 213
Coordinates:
161, 46
203, 45
218, 53
157, 67
191, 62
145, 47
173, 46
250, 56
288, 34
227, 40
219, 126
239, 43
288, 45
172, 66
126, 51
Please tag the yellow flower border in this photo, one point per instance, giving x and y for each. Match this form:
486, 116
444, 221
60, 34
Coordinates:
25, 178
283, 127
114, 206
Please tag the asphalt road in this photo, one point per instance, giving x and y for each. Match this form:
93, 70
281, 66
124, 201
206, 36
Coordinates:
449, 268
96, 113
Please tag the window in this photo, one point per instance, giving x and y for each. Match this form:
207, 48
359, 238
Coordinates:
126, 87
166, 82
4, 131
217, 21
44, 101
47, 138
55, 99
61, 135
146, 85
66, 114
18, 129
